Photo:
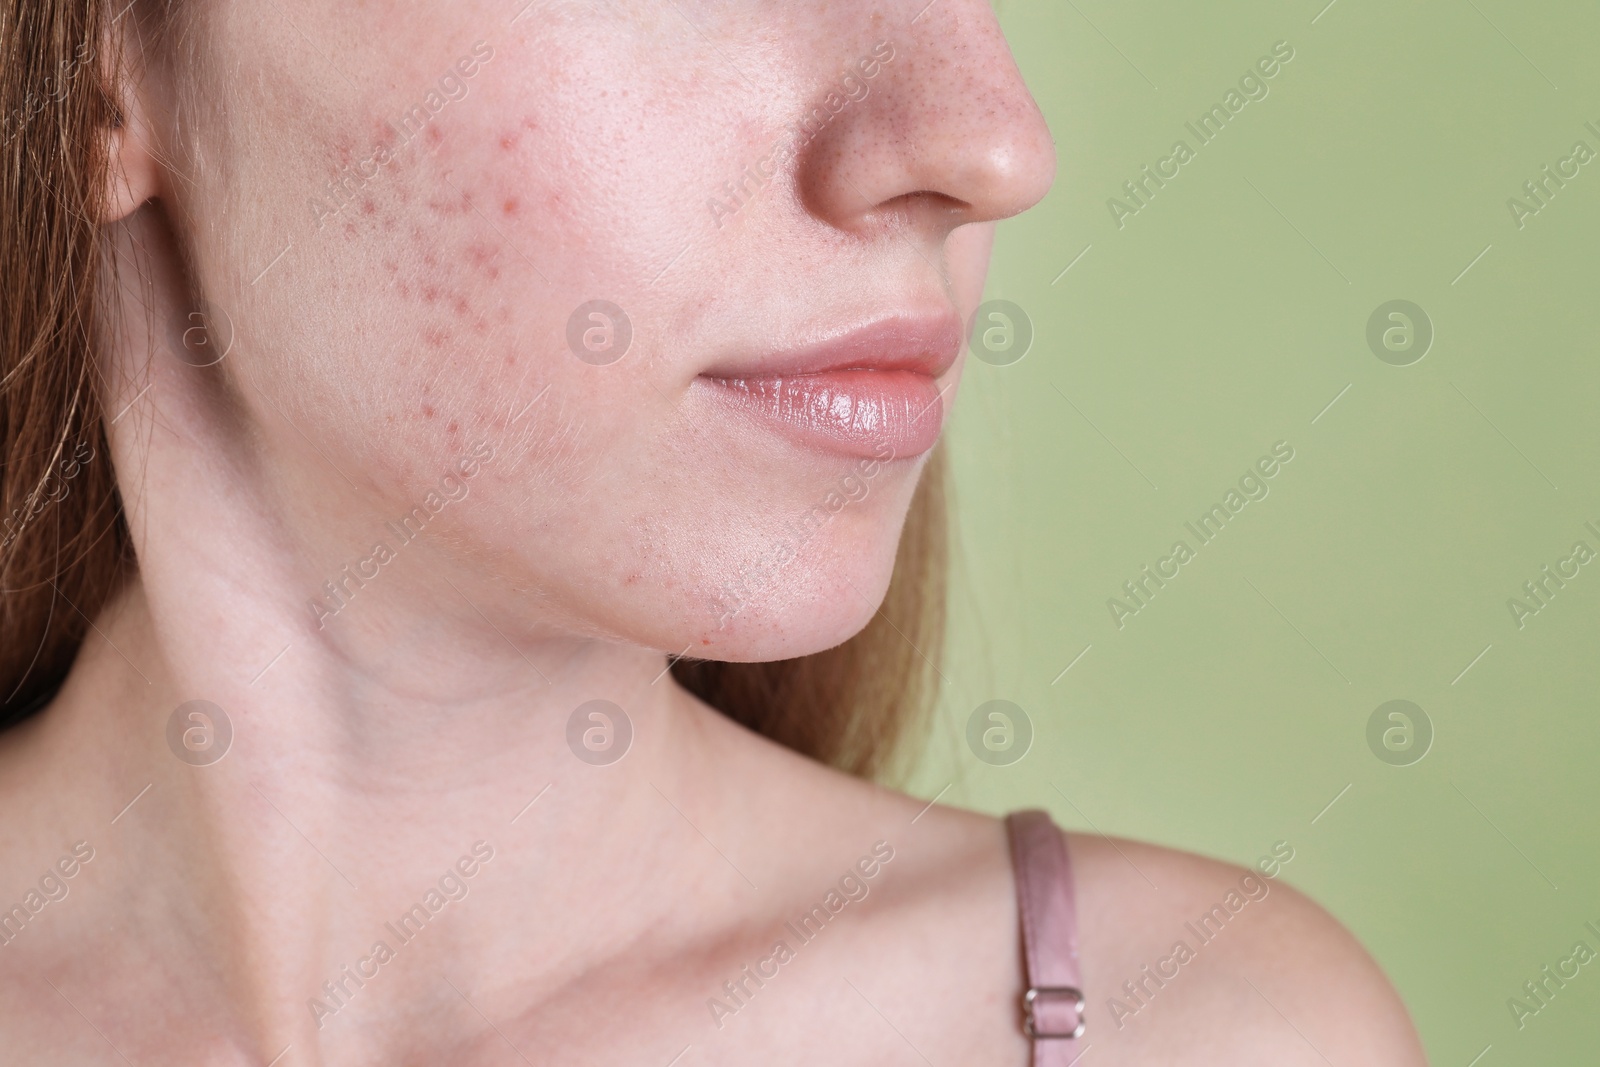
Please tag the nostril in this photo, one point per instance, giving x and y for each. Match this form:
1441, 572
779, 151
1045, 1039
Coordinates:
931, 200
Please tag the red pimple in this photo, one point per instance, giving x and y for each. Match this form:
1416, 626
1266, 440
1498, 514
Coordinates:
427, 410
368, 207
510, 206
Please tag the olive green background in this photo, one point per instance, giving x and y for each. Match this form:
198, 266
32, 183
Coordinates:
1227, 315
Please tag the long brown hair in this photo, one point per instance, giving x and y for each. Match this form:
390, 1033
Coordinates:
64, 546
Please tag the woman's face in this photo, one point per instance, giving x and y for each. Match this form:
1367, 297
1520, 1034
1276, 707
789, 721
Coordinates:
681, 284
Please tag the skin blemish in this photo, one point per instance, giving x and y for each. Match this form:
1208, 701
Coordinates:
427, 410
481, 257
368, 207
510, 206
462, 308
430, 294
435, 337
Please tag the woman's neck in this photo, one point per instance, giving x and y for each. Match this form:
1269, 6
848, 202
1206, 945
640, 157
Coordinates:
350, 794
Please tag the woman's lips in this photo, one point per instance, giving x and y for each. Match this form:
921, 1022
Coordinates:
871, 392
881, 414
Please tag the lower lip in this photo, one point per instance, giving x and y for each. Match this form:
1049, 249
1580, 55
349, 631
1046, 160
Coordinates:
877, 414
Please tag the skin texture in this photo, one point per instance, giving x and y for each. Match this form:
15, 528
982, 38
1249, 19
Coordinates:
379, 338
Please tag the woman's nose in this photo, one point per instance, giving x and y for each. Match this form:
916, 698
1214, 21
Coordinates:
945, 130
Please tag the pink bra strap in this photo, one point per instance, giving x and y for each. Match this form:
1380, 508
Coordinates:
1052, 1007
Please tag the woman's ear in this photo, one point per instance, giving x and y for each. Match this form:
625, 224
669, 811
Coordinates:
133, 174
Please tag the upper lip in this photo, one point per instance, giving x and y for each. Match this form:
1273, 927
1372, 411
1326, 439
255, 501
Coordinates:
925, 344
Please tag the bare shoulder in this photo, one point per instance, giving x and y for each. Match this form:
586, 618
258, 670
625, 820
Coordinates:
1189, 960
1186, 960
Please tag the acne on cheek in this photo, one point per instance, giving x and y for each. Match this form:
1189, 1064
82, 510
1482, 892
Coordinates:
443, 337
422, 208
441, 280
414, 278
442, 269
443, 290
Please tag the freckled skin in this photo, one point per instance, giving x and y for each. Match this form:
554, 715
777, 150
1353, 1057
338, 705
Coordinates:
558, 178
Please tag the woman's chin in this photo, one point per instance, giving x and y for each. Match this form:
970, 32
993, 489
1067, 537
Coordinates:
793, 621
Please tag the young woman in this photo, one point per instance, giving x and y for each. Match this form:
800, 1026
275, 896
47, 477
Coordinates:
473, 538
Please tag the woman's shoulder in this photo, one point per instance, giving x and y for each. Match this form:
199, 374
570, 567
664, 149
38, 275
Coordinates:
1188, 959
1184, 959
